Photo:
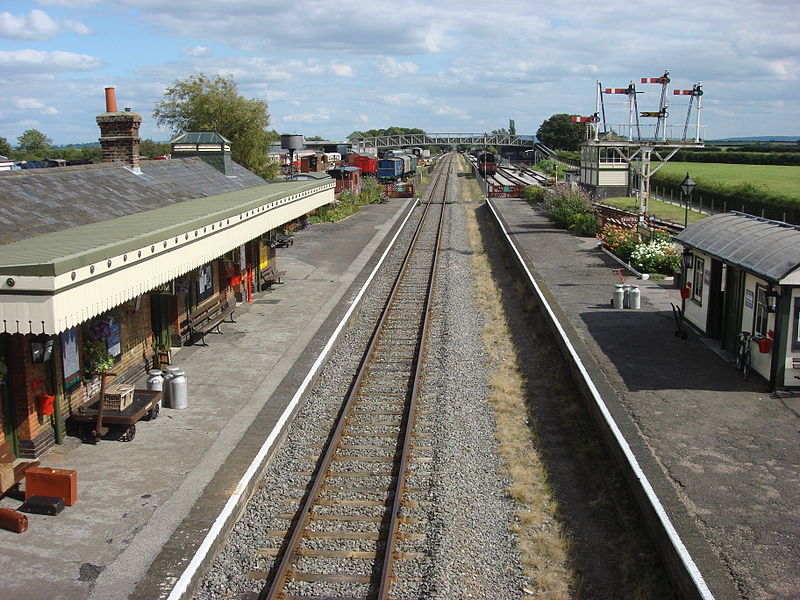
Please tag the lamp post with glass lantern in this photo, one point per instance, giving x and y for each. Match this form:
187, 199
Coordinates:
687, 185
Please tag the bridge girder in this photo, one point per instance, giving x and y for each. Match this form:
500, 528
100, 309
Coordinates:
444, 139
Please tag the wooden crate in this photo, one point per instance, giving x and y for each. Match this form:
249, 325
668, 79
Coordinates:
118, 397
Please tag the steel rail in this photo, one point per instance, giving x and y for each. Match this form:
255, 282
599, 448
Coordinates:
407, 433
292, 552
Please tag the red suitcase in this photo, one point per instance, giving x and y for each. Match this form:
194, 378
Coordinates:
44, 481
12, 520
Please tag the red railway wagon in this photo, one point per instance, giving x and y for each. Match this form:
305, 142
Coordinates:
366, 164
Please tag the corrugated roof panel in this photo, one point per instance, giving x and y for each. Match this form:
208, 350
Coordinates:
766, 248
82, 245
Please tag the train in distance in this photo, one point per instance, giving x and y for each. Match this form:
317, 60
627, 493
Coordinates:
487, 162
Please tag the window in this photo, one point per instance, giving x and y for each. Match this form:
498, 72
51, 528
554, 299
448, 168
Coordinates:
697, 279
760, 315
796, 331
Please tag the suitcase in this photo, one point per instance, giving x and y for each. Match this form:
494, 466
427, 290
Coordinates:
12, 520
43, 505
44, 481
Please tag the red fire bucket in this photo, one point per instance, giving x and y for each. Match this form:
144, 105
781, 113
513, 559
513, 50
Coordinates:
685, 292
764, 345
45, 404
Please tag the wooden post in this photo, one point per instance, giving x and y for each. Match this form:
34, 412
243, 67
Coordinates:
99, 430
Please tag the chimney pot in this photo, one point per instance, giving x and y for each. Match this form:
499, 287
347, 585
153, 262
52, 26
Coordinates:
111, 100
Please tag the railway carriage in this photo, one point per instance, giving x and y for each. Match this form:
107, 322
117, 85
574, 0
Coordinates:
390, 168
487, 163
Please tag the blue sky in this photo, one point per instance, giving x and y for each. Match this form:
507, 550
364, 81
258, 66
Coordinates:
328, 68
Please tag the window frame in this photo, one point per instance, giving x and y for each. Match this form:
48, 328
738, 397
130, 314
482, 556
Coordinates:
697, 279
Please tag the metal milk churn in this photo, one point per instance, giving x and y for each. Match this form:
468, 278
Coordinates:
619, 296
169, 373
636, 297
178, 392
626, 295
155, 382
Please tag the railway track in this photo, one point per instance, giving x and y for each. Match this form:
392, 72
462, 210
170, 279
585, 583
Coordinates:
360, 478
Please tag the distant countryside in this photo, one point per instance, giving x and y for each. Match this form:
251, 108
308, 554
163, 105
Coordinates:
777, 179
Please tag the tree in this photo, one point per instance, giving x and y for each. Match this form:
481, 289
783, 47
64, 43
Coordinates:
151, 149
559, 133
5, 147
33, 141
202, 103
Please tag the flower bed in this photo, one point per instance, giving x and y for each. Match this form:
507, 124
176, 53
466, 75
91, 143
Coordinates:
655, 256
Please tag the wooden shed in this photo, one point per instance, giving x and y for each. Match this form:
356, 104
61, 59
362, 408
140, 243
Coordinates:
742, 273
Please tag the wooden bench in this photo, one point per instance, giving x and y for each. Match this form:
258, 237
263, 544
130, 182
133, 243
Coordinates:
208, 318
269, 277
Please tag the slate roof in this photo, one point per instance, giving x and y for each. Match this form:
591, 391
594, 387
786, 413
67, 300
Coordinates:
59, 252
766, 248
42, 201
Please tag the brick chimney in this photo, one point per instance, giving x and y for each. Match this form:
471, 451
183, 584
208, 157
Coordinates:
119, 133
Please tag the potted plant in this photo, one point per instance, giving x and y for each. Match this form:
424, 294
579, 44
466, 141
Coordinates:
96, 357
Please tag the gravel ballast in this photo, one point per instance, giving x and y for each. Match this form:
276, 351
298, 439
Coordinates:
460, 504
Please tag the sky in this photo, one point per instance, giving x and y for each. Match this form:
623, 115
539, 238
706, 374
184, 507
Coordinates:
329, 68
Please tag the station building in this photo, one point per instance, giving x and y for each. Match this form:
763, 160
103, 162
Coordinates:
742, 273
113, 259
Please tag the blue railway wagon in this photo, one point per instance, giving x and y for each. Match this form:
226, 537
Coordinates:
390, 168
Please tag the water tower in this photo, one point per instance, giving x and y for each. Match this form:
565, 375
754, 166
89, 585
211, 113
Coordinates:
291, 142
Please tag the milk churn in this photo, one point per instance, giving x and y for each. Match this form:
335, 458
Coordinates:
619, 296
178, 393
636, 297
155, 382
169, 373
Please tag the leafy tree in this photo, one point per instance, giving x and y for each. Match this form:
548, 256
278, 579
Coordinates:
203, 103
34, 142
151, 149
558, 132
5, 147
315, 138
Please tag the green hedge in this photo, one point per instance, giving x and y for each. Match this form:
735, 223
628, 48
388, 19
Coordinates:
740, 158
746, 197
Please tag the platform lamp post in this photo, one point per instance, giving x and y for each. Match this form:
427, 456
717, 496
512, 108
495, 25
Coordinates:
687, 185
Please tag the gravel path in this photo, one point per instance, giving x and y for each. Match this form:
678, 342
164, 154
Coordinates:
467, 550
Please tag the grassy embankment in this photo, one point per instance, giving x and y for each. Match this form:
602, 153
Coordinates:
527, 367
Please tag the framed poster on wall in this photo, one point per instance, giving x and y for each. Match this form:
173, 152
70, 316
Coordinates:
205, 283
70, 358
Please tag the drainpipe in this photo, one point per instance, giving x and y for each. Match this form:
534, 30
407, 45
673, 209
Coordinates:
58, 417
777, 368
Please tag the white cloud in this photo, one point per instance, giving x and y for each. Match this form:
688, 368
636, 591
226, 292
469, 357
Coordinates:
196, 51
33, 104
342, 70
37, 61
76, 27
389, 66
306, 118
37, 25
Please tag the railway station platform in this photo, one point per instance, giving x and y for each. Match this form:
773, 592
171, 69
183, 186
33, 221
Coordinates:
722, 453
725, 449
144, 506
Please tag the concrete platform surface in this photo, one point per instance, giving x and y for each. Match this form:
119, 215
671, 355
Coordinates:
162, 489
727, 447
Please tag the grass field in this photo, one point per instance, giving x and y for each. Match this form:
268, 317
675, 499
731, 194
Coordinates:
777, 179
658, 209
